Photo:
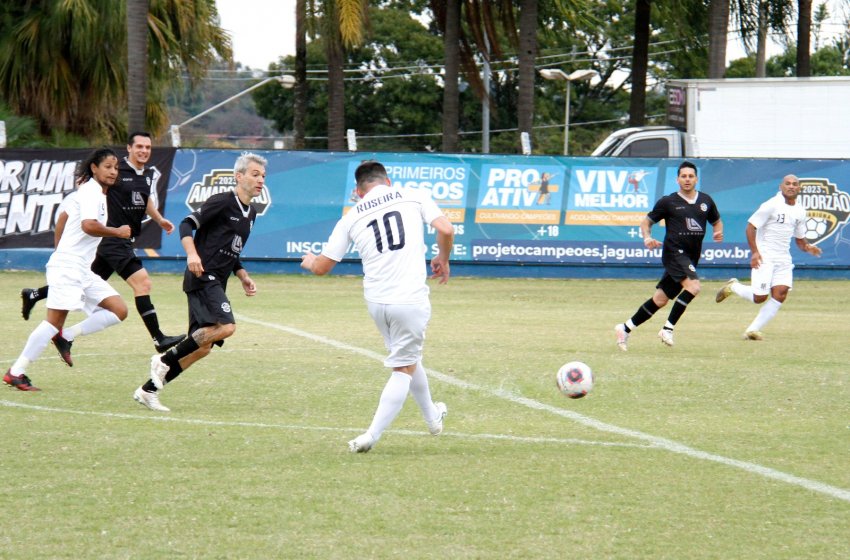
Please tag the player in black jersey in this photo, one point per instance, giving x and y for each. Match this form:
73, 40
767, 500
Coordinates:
127, 204
686, 214
223, 225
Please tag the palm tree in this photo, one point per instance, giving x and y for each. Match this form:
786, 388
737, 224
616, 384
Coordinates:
344, 23
718, 27
640, 62
527, 55
300, 104
63, 62
451, 74
804, 37
137, 63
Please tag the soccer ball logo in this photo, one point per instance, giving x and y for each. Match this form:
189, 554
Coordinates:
816, 228
575, 379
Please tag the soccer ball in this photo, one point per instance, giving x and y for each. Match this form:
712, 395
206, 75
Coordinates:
575, 379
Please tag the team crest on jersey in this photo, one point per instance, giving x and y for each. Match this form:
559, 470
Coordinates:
703, 207
225, 306
827, 207
223, 180
236, 244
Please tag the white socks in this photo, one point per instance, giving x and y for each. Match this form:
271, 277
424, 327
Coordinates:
36, 343
744, 291
392, 399
95, 322
422, 394
766, 313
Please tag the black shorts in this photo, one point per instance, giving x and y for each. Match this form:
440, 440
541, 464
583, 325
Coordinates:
209, 305
676, 269
116, 255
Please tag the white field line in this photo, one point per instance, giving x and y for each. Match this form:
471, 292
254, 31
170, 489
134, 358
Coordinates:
199, 422
655, 441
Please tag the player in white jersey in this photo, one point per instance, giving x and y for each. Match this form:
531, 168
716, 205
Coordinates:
387, 228
73, 286
769, 233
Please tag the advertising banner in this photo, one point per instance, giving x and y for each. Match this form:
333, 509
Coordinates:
520, 209
33, 183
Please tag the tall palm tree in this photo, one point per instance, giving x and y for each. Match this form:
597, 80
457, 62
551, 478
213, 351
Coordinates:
300, 104
344, 24
62, 62
137, 63
718, 28
451, 75
527, 56
640, 63
804, 37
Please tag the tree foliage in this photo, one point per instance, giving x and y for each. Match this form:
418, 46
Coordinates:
64, 62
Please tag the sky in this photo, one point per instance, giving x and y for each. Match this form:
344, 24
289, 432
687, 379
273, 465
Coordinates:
263, 30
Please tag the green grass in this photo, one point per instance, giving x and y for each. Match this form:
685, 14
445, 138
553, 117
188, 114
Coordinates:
252, 461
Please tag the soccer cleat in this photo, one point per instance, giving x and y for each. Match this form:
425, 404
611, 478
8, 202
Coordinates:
158, 371
753, 335
361, 444
725, 291
21, 383
622, 337
167, 342
436, 427
63, 346
28, 301
666, 337
150, 400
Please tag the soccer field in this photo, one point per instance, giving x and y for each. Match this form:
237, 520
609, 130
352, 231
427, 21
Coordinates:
717, 448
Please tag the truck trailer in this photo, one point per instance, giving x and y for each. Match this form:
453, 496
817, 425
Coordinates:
793, 118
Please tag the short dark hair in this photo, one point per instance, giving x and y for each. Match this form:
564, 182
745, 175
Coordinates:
137, 133
370, 171
83, 172
685, 164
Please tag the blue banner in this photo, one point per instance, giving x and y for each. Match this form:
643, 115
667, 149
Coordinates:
518, 209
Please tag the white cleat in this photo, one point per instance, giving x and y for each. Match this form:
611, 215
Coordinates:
158, 371
622, 337
361, 444
666, 337
150, 400
753, 335
725, 291
436, 427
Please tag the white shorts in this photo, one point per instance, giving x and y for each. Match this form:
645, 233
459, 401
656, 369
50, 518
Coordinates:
76, 289
403, 328
771, 274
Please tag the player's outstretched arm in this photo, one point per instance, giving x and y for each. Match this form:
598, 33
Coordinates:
717, 231
317, 264
152, 211
646, 232
247, 283
445, 238
807, 247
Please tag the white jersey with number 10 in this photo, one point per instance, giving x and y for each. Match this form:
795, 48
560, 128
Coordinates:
387, 228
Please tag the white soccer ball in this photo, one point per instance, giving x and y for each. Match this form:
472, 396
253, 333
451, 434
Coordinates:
575, 379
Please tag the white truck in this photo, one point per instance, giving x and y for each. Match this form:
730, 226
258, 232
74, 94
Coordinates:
793, 118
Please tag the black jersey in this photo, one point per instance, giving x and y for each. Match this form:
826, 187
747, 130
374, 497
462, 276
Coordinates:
685, 223
223, 225
127, 200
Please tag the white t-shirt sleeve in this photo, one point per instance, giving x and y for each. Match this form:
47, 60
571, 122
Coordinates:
762, 215
430, 210
338, 242
90, 199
